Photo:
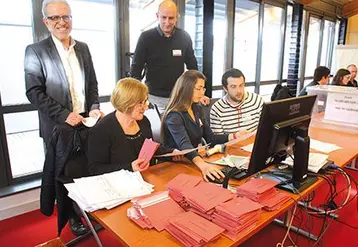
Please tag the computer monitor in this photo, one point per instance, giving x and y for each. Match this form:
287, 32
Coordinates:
284, 123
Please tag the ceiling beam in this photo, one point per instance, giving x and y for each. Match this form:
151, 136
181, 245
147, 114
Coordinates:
350, 9
305, 2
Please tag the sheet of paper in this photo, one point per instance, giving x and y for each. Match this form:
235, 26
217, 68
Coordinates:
323, 146
248, 148
90, 121
183, 152
234, 160
316, 161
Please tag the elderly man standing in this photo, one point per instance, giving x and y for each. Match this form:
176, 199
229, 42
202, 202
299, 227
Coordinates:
163, 50
353, 69
60, 79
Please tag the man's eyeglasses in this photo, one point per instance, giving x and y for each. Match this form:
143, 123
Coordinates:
57, 18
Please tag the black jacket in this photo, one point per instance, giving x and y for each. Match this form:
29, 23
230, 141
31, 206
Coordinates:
47, 87
66, 145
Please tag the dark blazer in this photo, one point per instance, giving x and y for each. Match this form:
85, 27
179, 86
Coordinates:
47, 87
181, 132
108, 147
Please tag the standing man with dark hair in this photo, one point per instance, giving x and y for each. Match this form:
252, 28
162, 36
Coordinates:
238, 111
353, 69
320, 77
60, 79
164, 50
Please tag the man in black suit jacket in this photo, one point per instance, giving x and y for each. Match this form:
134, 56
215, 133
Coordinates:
49, 79
60, 79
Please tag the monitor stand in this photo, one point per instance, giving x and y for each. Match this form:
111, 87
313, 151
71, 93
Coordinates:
297, 179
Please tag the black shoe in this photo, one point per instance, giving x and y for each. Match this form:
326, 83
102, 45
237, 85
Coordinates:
77, 227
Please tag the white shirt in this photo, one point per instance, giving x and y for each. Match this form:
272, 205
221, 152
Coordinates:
73, 74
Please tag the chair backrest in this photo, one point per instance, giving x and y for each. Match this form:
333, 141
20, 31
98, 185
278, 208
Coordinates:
155, 123
281, 92
205, 109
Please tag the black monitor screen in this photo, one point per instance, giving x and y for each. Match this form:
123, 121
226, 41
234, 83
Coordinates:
274, 134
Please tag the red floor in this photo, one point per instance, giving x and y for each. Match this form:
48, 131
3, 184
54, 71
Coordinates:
33, 228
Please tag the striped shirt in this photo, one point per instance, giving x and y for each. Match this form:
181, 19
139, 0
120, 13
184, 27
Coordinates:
226, 118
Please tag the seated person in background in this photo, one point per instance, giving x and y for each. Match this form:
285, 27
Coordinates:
353, 70
341, 78
320, 77
115, 141
238, 111
183, 127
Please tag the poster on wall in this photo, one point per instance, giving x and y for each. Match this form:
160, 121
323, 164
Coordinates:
344, 56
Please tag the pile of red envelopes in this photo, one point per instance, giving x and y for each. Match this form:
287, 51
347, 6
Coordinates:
237, 216
192, 230
264, 192
154, 210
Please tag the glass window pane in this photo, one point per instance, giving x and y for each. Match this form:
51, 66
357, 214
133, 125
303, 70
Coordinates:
266, 91
219, 30
12, 13
98, 33
333, 66
217, 94
147, 10
312, 46
26, 149
271, 43
12, 50
327, 42
287, 42
245, 37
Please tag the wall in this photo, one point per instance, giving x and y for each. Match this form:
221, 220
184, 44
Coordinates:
20, 203
352, 31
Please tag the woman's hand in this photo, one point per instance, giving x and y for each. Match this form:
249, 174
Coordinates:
208, 171
139, 165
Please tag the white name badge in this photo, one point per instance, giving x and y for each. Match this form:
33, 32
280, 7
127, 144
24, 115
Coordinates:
176, 53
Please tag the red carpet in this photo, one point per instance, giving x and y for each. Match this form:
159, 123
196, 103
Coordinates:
33, 228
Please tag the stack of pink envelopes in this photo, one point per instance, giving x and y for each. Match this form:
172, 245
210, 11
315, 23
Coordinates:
180, 183
154, 210
192, 230
263, 191
237, 216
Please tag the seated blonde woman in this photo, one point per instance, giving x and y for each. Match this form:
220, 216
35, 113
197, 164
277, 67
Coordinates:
115, 141
183, 126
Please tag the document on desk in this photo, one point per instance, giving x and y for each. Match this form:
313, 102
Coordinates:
248, 148
315, 162
323, 146
234, 161
107, 190
183, 152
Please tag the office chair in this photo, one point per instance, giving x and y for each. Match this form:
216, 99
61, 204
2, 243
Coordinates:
153, 116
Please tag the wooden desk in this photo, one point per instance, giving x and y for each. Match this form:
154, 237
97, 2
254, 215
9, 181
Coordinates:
129, 234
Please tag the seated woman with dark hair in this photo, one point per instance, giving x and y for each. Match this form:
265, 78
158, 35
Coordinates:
115, 141
342, 78
183, 126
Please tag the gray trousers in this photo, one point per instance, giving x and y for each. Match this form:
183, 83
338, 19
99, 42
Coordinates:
160, 102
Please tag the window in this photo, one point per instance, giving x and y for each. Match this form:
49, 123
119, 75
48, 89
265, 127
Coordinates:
219, 30
312, 45
327, 43
21, 128
271, 43
146, 10
245, 37
93, 23
287, 42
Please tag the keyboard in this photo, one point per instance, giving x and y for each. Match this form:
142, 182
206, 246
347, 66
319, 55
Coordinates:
238, 175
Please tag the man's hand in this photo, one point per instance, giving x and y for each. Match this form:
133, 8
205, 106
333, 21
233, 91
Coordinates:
74, 119
205, 100
96, 113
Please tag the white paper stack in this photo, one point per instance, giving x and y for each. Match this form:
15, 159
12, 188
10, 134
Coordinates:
107, 190
315, 162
